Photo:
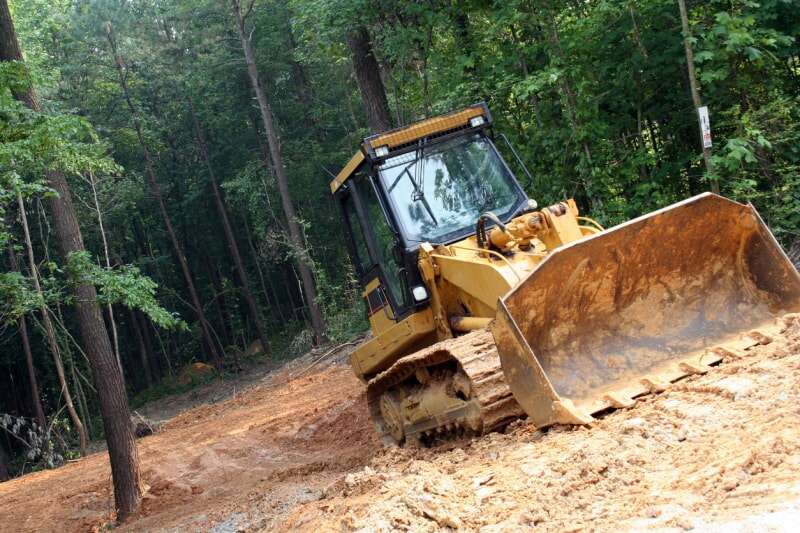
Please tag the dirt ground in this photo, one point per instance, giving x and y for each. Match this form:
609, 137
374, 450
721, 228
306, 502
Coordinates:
719, 452
281, 442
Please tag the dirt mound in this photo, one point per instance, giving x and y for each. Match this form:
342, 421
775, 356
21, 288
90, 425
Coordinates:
194, 373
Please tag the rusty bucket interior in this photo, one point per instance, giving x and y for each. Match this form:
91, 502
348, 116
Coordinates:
624, 312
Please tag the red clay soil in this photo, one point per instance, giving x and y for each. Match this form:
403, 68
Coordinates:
210, 461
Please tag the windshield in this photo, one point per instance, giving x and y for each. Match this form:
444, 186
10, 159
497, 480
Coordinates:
446, 190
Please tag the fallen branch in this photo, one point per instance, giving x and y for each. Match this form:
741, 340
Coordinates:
326, 354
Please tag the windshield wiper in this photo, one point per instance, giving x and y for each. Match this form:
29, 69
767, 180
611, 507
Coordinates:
400, 176
418, 194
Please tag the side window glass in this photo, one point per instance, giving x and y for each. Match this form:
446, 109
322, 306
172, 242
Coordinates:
359, 241
384, 240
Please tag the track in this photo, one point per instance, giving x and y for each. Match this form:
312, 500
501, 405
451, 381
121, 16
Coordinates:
474, 398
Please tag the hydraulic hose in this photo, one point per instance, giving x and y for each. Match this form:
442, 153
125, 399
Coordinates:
480, 228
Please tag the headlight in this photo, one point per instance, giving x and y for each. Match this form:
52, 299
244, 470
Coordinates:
477, 121
382, 151
420, 293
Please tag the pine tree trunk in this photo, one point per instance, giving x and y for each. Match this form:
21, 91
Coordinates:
295, 234
114, 409
155, 189
110, 387
370, 83
33, 383
247, 294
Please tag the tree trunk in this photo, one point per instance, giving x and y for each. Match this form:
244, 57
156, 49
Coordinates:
295, 234
269, 295
370, 83
214, 354
143, 325
247, 294
33, 384
110, 308
687, 46
49, 330
5, 474
218, 296
143, 355
114, 409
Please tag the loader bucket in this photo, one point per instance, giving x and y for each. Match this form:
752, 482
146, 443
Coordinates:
629, 310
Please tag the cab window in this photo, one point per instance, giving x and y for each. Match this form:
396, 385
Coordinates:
385, 241
363, 263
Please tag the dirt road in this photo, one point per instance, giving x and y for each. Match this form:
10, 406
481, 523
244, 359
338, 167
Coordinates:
717, 452
283, 442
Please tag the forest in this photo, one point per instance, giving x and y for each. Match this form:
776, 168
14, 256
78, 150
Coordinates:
164, 167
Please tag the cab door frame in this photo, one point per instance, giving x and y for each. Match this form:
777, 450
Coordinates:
378, 297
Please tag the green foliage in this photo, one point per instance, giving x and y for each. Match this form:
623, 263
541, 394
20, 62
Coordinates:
17, 297
168, 387
343, 306
124, 285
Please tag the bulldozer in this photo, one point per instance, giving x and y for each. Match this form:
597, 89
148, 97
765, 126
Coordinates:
485, 308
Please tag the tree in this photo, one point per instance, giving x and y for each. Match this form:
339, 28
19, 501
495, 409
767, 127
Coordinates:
33, 383
370, 83
698, 103
219, 203
103, 236
49, 329
300, 250
155, 189
113, 401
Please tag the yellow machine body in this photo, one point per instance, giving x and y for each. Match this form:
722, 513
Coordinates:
463, 276
583, 319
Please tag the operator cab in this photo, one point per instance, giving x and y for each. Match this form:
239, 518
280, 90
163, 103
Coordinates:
426, 182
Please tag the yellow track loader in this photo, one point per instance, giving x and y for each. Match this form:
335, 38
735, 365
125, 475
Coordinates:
485, 308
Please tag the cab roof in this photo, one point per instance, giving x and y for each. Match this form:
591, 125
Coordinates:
404, 136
